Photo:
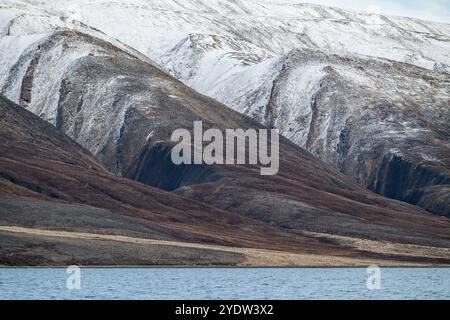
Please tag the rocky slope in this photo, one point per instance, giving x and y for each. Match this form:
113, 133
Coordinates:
125, 117
47, 181
272, 60
122, 108
59, 206
155, 27
384, 123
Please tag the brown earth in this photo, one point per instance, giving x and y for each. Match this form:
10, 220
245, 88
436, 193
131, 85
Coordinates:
49, 182
56, 248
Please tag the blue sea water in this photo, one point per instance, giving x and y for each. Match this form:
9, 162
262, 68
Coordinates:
223, 283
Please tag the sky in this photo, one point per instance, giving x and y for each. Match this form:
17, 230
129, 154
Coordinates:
435, 10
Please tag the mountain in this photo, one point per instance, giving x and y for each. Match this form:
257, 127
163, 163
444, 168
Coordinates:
123, 111
49, 182
154, 27
60, 206
365, 93
121, 108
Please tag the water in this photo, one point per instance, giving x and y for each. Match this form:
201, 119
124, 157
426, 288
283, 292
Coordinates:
213, 283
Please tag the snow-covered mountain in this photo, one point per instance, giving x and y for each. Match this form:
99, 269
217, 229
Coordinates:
367, 93
233, 29
124, 111
154, 27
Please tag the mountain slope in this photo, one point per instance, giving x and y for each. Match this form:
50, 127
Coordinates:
48, 181
128, 111
384, 123
59, 206
268, 60
123, 108
153, 26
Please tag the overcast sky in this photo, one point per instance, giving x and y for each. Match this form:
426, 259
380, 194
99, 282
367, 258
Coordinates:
436, 10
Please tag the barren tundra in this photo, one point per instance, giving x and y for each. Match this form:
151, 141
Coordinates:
87, 113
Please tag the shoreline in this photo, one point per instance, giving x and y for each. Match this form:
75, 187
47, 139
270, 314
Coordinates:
253, 258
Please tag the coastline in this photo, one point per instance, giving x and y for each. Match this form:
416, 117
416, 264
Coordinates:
249, 257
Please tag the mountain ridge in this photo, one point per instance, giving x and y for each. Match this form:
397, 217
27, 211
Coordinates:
242, 65
381, 123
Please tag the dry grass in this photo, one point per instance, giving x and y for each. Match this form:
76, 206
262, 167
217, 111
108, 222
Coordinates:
255, 257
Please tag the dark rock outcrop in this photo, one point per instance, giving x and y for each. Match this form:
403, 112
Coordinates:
123, 111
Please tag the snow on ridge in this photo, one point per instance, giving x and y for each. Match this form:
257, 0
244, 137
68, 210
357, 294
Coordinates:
346, 86
206, 44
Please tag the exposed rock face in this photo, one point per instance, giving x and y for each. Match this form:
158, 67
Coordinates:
48, 182
128, 111
42, 163
319, 74
123, 108
155, 27
383, 123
